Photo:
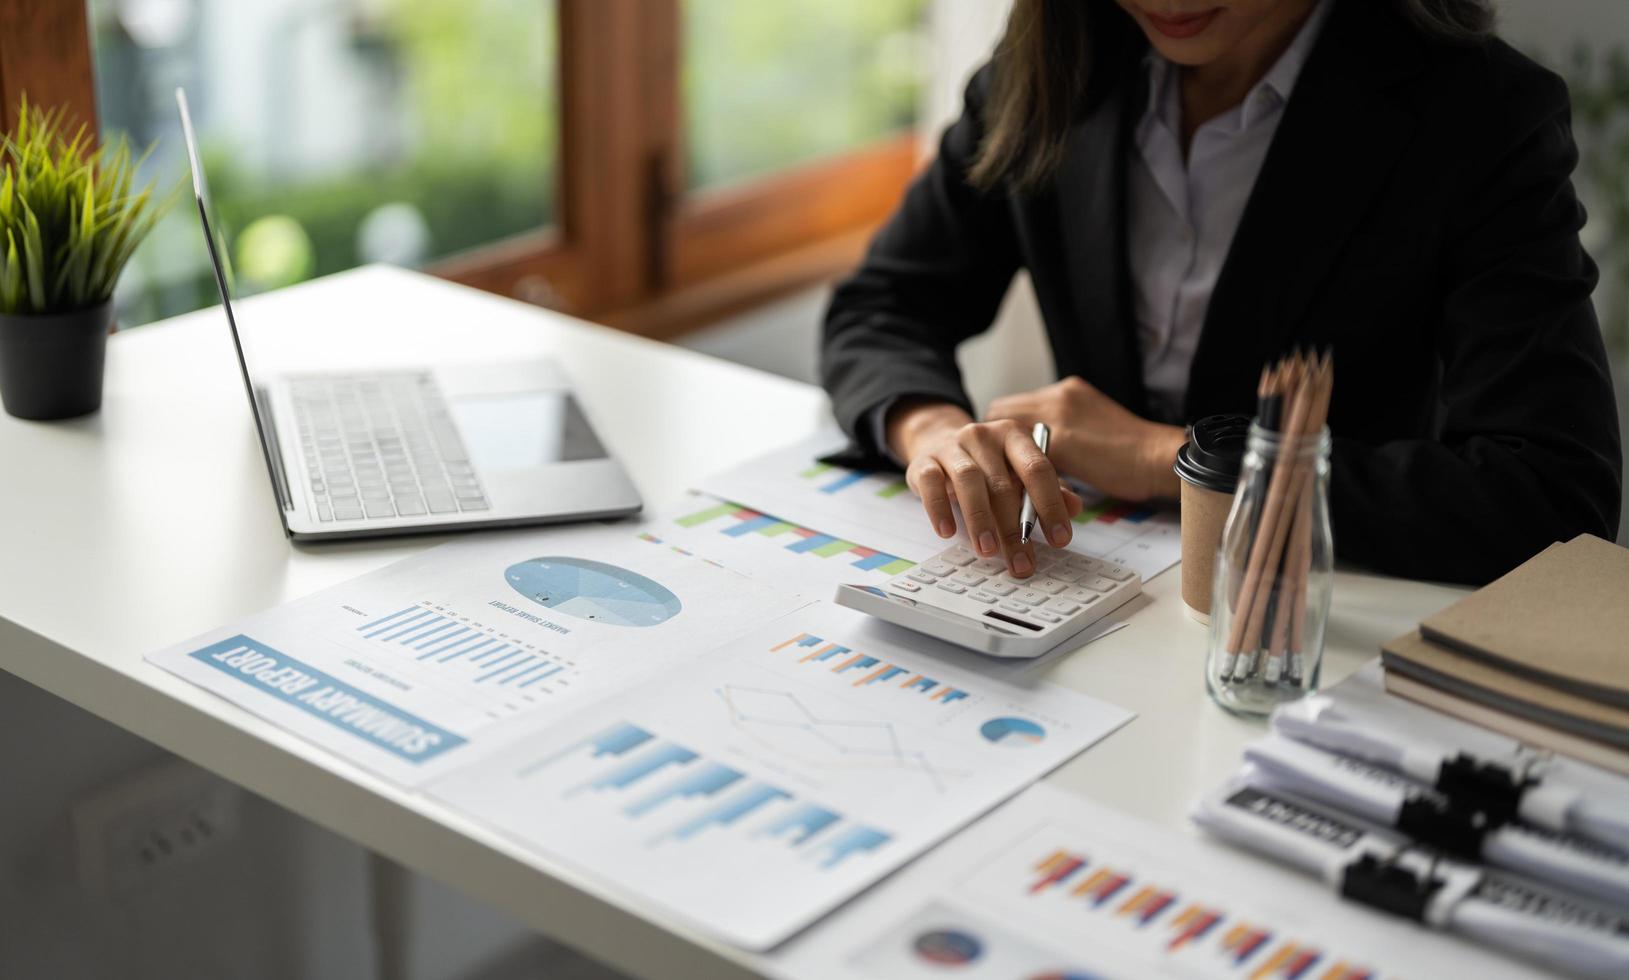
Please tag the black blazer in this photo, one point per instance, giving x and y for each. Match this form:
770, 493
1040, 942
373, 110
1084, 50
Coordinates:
1415, 210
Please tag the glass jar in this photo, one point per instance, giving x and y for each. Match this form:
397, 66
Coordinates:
1274, 576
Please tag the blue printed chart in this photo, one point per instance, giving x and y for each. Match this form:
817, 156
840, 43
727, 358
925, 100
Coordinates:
497, 668
751, 790
434, 661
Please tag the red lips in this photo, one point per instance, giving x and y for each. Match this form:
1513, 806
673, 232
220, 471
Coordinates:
1186, 25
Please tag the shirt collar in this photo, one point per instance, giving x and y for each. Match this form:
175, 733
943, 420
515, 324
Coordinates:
1271, 92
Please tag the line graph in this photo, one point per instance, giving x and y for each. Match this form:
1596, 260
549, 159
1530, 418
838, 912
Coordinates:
781, 721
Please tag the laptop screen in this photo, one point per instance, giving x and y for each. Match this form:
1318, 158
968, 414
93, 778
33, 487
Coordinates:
220, 262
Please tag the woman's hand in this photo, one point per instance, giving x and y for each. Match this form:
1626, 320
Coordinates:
1096, 440
985, 468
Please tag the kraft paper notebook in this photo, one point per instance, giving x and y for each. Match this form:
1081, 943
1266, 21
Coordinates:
1413, 657
1561, 618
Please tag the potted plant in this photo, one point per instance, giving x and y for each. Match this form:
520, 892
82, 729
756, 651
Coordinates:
70, 217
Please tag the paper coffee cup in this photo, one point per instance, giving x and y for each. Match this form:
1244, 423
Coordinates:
1208, 464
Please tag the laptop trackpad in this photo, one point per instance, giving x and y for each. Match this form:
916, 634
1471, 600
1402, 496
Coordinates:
525, 430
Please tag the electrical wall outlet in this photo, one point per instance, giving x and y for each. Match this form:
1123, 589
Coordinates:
137, 829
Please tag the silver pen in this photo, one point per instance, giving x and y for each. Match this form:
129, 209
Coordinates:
1026, 518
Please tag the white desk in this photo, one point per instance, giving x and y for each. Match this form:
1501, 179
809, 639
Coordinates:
154, 521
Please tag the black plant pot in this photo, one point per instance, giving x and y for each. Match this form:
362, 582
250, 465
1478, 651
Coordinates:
51, 365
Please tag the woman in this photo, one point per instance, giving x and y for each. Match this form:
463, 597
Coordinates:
1193, 187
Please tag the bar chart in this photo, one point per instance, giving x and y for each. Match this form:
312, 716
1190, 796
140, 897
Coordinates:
1121, 893
435, 645
863, 671
744, 523
833, 479
676, 796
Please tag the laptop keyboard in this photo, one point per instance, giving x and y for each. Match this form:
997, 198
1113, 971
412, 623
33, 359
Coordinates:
381, 446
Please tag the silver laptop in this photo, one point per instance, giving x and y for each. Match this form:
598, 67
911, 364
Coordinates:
361, 453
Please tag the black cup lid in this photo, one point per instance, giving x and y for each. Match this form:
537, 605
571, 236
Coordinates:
1214, 451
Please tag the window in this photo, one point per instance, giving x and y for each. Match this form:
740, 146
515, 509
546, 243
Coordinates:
333, 134
771, 85
653, 164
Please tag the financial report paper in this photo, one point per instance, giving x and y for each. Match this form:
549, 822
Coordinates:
425, 664
753, 789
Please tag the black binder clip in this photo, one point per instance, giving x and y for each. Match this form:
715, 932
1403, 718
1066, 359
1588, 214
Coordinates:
1386, 886
1487, 787
1445, 825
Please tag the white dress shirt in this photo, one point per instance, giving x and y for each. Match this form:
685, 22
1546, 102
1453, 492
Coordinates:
1182, 214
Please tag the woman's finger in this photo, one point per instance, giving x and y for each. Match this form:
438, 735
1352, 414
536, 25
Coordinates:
974, 497
927, 478
985, 443
1041, 482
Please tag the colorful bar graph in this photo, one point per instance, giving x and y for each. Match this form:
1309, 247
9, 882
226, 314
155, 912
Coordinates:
848, 479
739, 522
1111, 511
1055, 870
1191, 925
1101, 886
815, 650
1242, 941
1146, 904
1290, 961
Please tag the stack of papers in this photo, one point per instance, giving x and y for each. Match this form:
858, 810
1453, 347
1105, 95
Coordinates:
1422, 815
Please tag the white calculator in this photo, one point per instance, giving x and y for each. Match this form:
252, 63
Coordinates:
976, 603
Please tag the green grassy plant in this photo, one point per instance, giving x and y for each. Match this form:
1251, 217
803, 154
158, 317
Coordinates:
70, 214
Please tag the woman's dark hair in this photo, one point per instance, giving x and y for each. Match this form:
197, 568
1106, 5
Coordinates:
1051, 48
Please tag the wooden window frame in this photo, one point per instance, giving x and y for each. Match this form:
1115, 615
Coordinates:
631, 247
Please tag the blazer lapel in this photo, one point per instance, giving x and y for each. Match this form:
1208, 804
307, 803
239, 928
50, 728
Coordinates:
1337, 144
1098, 339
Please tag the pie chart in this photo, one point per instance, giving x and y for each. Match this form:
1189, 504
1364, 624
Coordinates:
594, 591
948, 947
1013, 732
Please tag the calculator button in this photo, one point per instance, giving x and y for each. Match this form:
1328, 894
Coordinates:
1081, 562
1047, 617
1050, 586
938, 567
907, 586
989, 566
1083, 596
1062, 605
1063, 573
1012, 606
953, 588
959, 556
1117, 572
920, 576
967, 578
1029, 596
998, 587
1099, 584
981, 596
